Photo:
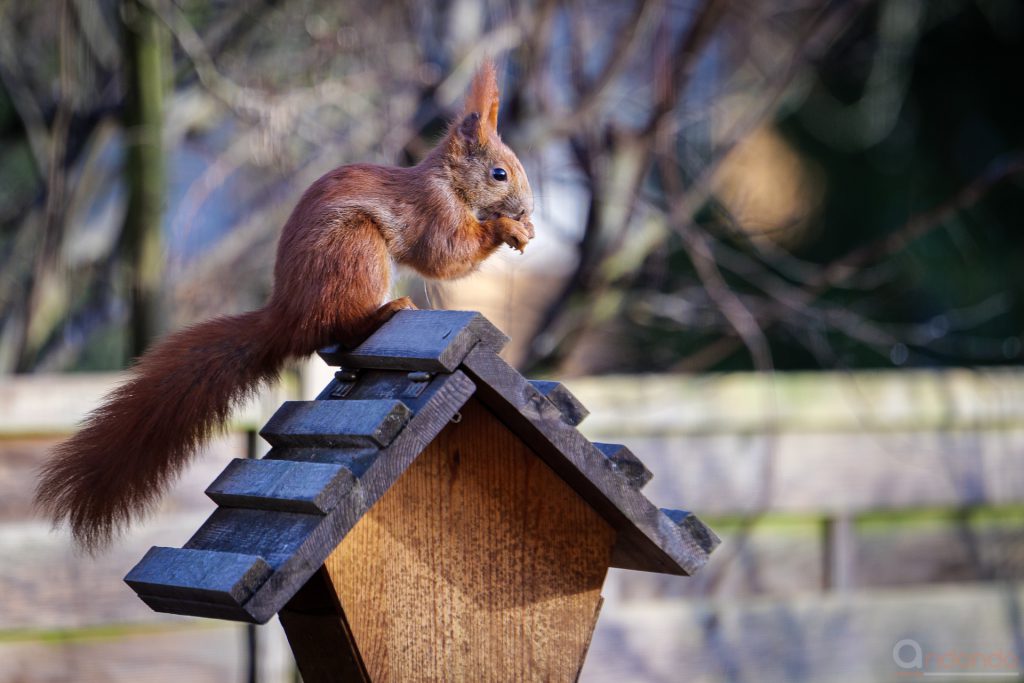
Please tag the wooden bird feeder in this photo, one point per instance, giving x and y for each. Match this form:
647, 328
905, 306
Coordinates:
432, 516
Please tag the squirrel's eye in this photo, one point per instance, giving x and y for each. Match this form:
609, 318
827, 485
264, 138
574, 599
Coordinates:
499, 174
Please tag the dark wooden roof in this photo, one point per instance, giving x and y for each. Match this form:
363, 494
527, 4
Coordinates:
331, 459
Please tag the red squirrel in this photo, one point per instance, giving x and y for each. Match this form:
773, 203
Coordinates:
441, 218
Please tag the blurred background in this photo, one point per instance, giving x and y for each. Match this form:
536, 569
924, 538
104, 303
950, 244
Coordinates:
779, 255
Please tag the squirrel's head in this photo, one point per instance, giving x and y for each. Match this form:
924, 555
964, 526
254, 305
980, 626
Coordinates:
484, 170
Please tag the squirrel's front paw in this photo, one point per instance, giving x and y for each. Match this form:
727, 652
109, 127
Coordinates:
517, 233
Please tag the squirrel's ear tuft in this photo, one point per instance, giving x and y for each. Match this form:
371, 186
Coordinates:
469, 130
483, 100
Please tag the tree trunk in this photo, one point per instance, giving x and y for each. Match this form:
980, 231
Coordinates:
146, 58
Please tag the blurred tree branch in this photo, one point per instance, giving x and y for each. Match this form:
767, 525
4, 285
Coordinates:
798, 302
631, 110
614, 149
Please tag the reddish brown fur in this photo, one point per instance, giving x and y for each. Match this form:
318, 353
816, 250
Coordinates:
441, 218
483, 99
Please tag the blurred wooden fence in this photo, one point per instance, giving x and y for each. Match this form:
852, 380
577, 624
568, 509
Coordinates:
68, 617
856, 509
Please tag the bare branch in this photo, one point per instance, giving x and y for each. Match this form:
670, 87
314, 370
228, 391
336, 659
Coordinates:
801, 299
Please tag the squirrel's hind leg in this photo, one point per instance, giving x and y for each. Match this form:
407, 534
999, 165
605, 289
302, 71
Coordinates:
367, 326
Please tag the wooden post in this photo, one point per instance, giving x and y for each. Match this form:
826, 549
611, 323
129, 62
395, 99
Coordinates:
839, 542
252, 644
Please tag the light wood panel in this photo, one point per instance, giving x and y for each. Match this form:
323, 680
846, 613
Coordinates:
478, 564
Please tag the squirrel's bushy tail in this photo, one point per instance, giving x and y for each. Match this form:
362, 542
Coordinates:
130, 448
